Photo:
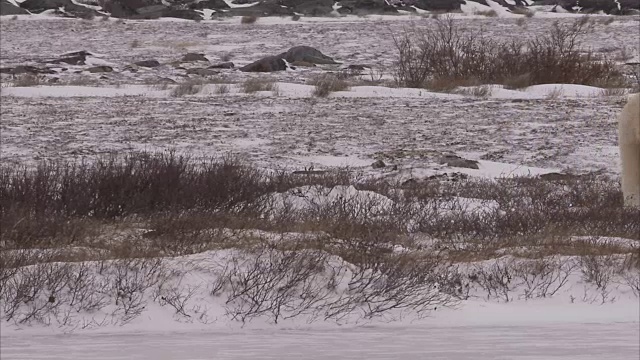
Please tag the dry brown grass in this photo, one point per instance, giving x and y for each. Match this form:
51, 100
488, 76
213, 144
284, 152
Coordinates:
249, 19
325, 84
259, 84
188, 202
188, 87
448, 52
26, 80
487, 13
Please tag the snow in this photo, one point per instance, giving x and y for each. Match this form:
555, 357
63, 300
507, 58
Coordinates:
588, 341
572, 324
291, 90
532, 131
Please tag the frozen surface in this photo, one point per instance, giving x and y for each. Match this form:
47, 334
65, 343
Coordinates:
538, 342
530, 131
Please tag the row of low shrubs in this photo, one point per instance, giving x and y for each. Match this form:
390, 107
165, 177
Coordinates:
182, 201
445, 56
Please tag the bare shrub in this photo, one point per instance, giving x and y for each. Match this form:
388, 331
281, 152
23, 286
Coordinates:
82, 80
520, 10
477, 91
487, 13
132, 278
544, 277
26, 80
281, 284
276, 284
498, 280
449, 52
189, 87
613, 92
222, 89
607, 21
600, 271
393, 282
258, 84
248, 19
326, 84
178, 298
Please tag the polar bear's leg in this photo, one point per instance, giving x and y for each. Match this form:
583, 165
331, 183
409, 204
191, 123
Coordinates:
629, 142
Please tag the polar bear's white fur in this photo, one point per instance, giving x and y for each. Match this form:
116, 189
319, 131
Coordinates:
629, 142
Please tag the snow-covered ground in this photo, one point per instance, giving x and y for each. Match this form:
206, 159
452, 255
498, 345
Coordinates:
541, 129
590, 341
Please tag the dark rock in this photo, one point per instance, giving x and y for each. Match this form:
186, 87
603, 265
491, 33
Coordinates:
38, 6
83, 53
182, 14
7, 8
440, 5
309, 172
100, 69
306, 54
378, 164
152, 11
558, 177
68, 7
148, 63
309, 7
410, 182
73, 58
267, 64
456, 161
26, 69
209, 4
590, 6
189, 57
366, 7
452, 177
137, 9
357, 67
303, 64
202, 72
224, 65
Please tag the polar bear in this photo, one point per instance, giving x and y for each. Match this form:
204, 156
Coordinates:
629, 142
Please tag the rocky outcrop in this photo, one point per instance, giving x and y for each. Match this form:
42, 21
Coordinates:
189, 9
439, 5
147, 63
7, 8
26, 69
224, 65
267, 64
306, 54
297, 54
64, 7
616, 7
366, 7
72, 58
309, 7
457, 161
191, 57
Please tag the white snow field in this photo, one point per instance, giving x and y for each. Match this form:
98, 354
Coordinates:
591, 341
532, 131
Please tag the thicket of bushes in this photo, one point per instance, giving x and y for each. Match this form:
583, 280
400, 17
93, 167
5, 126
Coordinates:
446, 56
